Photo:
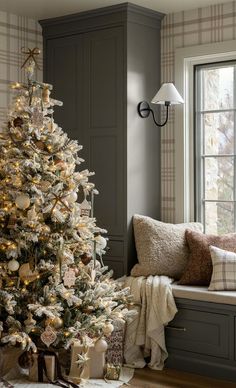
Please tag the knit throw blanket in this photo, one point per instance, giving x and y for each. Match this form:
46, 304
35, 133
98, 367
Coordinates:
145, 335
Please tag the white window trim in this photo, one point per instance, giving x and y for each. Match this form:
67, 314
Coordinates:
185, 60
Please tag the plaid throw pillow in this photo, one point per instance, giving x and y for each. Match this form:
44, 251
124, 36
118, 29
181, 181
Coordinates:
224, 270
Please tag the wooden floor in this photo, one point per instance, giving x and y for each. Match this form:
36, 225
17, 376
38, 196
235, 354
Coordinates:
170, 378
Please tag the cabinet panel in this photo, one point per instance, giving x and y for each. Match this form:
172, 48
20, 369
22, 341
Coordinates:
199, 332
103, 152
64, 71
104, 123
103, 77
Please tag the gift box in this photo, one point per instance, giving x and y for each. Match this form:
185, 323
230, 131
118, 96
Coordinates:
9, 362
96, 363
115, 351
93, 367
43, 368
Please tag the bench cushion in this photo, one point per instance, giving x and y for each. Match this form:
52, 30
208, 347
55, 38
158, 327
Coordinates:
202, 293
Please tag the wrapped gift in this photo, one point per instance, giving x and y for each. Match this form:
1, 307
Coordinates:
79, 369
9, 362
87, 361
115, 351
43, 368
112, 372
96, 363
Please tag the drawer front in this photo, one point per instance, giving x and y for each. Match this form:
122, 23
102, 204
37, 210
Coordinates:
117, 266
199, 332
115, 248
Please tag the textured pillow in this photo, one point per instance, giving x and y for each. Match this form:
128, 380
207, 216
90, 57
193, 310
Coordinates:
161, 247
224, 270
199, 268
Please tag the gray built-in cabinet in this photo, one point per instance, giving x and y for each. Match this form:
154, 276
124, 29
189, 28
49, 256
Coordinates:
102, 63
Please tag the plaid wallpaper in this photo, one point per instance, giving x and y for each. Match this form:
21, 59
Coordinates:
15, 32
195, 27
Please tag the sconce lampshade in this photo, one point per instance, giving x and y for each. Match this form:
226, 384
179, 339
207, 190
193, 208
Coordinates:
167, 93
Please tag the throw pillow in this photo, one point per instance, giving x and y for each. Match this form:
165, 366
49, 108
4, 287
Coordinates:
199, 268
161, 247
224, 270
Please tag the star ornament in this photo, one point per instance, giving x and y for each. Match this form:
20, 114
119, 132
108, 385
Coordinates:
69, 278
82, 359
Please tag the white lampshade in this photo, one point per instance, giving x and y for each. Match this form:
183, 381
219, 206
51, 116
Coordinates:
167, 93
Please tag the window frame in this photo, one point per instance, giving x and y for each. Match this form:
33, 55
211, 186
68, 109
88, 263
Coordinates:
185, 60
199, 155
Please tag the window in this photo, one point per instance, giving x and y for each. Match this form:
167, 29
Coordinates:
215, 146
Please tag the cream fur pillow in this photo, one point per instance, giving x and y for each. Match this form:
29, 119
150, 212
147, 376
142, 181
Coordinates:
161, 247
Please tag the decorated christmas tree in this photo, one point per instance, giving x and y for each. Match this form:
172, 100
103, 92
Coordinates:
53, 285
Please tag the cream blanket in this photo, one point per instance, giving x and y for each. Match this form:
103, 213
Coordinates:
145, 335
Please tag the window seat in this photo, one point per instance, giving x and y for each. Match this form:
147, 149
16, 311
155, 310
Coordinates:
202, 337
201, 293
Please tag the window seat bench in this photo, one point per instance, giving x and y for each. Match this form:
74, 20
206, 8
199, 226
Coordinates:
202, 337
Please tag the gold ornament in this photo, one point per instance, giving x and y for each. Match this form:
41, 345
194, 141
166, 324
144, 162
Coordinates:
45, 229
22, 201
46, 95
26, 275
44, 185
56, 322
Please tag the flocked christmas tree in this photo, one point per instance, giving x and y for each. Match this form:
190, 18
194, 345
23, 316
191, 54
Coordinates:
53, 287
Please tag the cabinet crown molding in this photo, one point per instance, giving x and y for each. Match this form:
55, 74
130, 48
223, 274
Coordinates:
104, 17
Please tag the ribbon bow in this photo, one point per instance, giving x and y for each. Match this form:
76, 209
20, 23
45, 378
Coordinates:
31, 54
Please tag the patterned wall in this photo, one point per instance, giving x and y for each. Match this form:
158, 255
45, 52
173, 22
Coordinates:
195, 27
15, 32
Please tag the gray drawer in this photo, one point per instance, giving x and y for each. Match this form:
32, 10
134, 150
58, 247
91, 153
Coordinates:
199, 332
116, 248
117, 266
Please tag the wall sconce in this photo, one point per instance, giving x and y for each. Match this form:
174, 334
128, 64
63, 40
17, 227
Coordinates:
167, 95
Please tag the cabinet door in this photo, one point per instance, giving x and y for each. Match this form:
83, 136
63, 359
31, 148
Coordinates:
87, 72
63, 69
103, 87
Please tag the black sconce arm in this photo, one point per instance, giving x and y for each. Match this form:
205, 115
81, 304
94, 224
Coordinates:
144, 110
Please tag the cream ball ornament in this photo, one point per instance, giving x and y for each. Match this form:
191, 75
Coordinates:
101, 345
13, 265
108, 328
72, 197
22, 201
101, 243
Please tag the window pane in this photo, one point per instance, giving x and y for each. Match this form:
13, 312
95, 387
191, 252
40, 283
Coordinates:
217, 88
219, 178
219, 217
219, 133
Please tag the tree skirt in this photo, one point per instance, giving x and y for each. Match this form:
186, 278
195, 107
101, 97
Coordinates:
125, 376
